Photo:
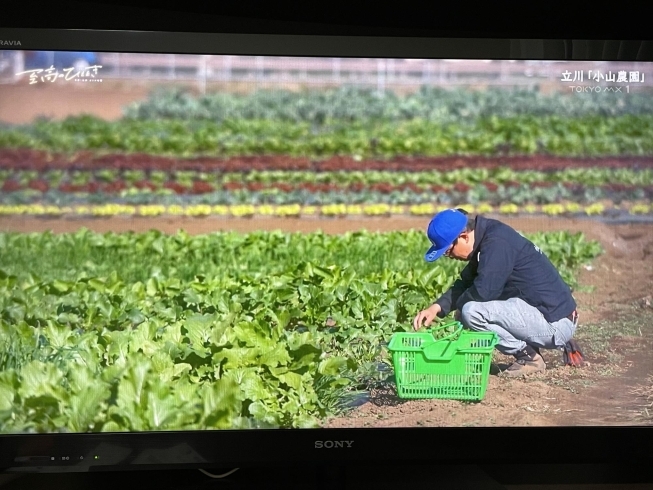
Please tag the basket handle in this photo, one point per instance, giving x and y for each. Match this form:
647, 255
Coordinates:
433, 354
450, 351
451, 335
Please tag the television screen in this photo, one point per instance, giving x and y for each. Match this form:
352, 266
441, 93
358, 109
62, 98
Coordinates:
220, 242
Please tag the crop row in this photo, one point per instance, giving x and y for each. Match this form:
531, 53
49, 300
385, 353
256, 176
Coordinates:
133, 332
333, 210
589, 136
363, 104
25, 159
322, 180
283, 194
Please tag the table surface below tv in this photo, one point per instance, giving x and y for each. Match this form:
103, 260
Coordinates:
358, 477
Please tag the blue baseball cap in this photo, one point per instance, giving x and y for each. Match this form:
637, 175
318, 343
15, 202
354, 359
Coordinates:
443, 230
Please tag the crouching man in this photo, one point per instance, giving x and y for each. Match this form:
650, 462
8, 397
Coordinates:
508, 287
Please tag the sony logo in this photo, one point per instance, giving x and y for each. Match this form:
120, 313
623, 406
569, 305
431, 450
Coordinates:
332, 444
9, 43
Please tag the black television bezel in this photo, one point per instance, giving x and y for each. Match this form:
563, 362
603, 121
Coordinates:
148, 450
132, 41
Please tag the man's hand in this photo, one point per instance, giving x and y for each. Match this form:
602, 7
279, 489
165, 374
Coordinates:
426, 317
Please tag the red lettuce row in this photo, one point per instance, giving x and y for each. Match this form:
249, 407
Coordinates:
41, 161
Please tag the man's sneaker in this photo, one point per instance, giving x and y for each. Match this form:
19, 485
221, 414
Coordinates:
528, 361
572, 355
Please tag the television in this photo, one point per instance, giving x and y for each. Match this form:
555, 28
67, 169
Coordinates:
212, 248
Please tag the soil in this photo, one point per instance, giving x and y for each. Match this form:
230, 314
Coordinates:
618, 279
21, 104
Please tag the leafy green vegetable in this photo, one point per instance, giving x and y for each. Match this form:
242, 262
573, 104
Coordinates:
521, 134
211, 331
348, 103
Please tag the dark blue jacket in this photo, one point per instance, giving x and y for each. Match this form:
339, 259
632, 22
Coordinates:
506, 265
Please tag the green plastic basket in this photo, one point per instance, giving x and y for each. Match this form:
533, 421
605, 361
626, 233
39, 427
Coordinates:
455, 367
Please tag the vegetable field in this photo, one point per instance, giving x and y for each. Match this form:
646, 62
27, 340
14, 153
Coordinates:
131, 332
337, 152
223, 330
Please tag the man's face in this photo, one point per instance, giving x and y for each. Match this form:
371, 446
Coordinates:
462, 247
